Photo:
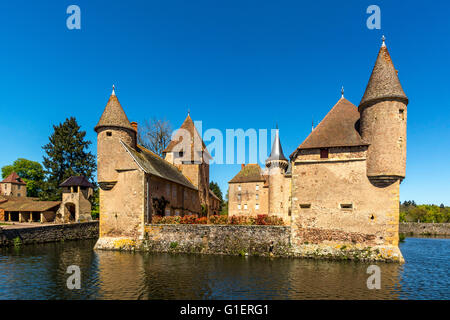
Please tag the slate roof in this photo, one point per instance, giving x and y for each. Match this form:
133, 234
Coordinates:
249, 173
157, 166
194, 144
337, 129
24, 204
14, 178
113, 115
277, 150
383, 82
76, 181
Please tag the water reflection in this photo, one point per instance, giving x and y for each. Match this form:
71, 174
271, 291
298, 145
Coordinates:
39, 272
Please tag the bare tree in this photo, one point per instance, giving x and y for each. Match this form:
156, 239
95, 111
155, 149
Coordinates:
155, 135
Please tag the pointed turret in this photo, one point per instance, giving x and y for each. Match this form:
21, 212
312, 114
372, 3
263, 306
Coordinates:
112, 129
113, 115
277, 150
383, 122
277, 164
384, 82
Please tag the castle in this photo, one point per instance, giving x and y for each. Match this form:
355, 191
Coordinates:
137, 184
342, 184
338, 190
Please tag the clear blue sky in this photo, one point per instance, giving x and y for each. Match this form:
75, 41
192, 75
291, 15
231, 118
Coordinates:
234, 64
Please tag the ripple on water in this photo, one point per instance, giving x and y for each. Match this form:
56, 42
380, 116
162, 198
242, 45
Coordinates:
39, 272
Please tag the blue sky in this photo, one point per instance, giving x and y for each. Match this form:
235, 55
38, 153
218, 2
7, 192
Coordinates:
234, 64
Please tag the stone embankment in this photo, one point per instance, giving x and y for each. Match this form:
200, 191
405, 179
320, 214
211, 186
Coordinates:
27, 234
427, 229
268, 241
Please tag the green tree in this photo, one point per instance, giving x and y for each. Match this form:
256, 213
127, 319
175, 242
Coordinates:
216, 190
225, 206
66, 155
31, 173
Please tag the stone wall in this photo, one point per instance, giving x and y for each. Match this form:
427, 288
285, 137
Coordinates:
49, 233
245, 240
425, 228
208, 239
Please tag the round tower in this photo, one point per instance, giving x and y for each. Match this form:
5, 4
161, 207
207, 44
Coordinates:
383, 122
112, 129
277, 164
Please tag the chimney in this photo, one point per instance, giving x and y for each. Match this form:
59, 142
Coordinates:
134, 125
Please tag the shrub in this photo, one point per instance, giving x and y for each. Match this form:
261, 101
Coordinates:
261, 219
189, 219
166, 220
202, 220
218, 219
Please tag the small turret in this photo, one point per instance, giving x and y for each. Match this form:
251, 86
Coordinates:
112, 128
383, 122
277, 164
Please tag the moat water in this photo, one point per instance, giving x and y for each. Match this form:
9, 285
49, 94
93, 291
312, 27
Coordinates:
40, 272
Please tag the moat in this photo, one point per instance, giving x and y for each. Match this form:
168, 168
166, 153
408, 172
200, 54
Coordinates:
39, 272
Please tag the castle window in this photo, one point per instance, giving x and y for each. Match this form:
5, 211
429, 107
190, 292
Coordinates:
239, 207
257, 187
245, 206
239, 197
257, 196
257, 206
323, 153
108, 133
180, 154
401, 114
281, 204
239, 188
346, 206
18, 194
305, 205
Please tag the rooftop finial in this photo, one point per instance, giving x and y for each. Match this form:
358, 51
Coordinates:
312, 124
113, 92
276, 125
383, 38
189, 111
342, 92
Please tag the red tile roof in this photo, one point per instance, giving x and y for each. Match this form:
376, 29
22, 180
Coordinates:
14, 178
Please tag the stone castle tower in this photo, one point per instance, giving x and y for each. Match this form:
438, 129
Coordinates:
112, 127
188, 152
276, 165
383, 122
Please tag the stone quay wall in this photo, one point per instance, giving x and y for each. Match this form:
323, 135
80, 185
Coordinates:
48, 233
268, 241
442, 229
207, 239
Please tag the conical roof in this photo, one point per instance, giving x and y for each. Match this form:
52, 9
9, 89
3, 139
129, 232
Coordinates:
384, 82
113, 115
337, 129
277, 150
